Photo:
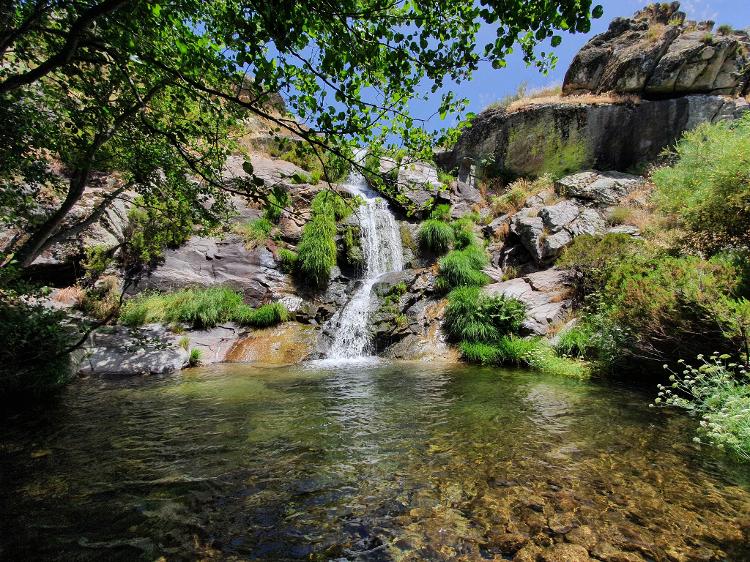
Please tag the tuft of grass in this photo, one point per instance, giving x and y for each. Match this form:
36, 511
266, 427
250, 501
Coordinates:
184, 343
724, 29
202, 308
255, 232
475, 317
263, 316
194, 359
463, 232
435, 236
441, 212
517, 192
463, 268
577, 341
287, 260
619, 215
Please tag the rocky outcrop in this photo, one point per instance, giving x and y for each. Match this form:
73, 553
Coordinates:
547, 223
209, 261
570, 135
545, 295
658, 53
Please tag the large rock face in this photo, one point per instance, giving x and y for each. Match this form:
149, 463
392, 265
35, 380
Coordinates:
658, 53
206, 262
568, 136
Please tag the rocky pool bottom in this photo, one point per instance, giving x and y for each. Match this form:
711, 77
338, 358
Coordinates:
392, 461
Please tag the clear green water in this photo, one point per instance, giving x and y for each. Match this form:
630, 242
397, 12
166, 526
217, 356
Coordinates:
393, 462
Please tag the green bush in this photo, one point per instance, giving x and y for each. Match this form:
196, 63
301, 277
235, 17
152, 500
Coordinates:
202, 308
287, 260
476, 317
463, 268
276, 201
33, 358
718, 391
435, 236
578, 341
708, 189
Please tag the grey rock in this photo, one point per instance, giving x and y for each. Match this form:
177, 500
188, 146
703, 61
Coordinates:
604, 136
418, 183
599, 188
544, 293
625, 229
529, 230
123, 352
656, 52
555, 217
209, 262
589, 221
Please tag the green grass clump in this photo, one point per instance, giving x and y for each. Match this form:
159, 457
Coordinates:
441, 212
263, 316
287, 260
578, 341
200, 307
463, 232
463, 268
435, 236
316, 252
255, 231
195, 356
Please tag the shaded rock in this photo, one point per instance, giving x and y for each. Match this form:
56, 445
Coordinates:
124, 352
286, 344
561, 138
529, 229
599, 188
544, 293
208, 261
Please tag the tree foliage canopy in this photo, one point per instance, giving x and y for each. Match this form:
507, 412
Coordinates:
155, 89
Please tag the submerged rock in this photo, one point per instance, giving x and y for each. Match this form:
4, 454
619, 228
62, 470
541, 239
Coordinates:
286, 344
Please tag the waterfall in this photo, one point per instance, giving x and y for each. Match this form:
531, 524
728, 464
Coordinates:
381, 246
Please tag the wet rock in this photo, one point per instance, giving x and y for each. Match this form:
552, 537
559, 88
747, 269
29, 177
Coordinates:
286, 344
544, 293
529, 553
607, 553
583, 536
565, 553
214, 344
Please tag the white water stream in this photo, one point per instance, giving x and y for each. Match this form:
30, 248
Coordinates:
381, 246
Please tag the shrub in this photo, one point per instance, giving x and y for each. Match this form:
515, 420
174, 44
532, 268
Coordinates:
619, 215
594, 257
719, 392
435, 236
463, 232
276, 201
287, 260
202, 308
475, 317
33, 357
463, 268
255, 232
577, 341
724, 29
517, 192
708, 190
102, 301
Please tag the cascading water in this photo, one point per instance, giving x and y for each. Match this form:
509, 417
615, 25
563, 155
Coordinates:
381, 246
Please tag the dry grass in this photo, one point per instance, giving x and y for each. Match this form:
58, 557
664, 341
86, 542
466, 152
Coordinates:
606, 98
516, 194
72, 296
655, 32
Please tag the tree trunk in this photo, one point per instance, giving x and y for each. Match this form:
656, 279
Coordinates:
40, 240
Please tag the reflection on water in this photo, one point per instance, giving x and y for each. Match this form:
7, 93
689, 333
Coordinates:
386, 461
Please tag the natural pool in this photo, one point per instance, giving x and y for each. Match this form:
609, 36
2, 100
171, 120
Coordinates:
397, 461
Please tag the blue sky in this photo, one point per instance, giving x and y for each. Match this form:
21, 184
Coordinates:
488, 85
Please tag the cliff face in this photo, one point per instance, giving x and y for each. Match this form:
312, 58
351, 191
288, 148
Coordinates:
629, 93
658, 53
568, 136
